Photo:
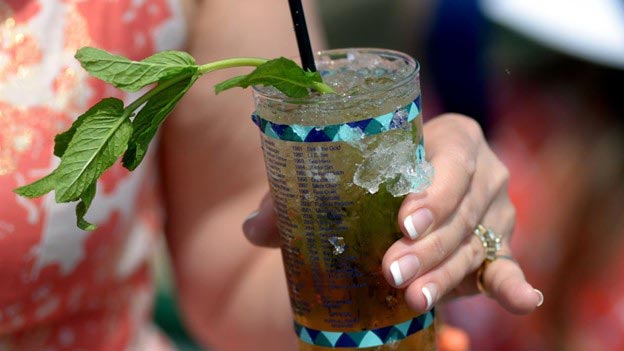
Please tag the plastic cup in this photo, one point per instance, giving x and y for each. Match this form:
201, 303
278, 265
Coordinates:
339, 167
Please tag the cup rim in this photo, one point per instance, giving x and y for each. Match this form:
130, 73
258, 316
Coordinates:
280, 98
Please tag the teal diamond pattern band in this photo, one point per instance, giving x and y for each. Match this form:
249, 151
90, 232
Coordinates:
365, 338
351, 131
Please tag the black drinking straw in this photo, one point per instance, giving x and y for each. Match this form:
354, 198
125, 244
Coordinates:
303, 38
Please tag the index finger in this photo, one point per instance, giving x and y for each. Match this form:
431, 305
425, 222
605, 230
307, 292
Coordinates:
453, 143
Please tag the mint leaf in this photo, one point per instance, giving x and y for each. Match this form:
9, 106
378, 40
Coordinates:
61, 141
39, 187
151, 116
82, 207
95, 146
282, 73
133, 75
314, 76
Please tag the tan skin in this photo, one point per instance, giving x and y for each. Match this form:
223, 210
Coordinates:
214, 179
233, 294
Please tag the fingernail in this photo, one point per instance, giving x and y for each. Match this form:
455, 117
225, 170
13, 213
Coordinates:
541, 297
418, 222
404, 269
251, 216
247, 228
431, 294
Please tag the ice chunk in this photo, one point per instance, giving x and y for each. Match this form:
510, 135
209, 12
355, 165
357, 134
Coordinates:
394, 162
338, 243
350, 135
332, 178
399, 120
414, 180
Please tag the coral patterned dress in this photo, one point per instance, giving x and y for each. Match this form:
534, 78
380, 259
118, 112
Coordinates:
60, 287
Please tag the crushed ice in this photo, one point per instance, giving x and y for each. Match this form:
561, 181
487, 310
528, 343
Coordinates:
332, 178
397, 163
338, 243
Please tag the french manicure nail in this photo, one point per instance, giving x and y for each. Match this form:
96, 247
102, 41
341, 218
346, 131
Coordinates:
418, 222
431, 294
541, 297
404, 269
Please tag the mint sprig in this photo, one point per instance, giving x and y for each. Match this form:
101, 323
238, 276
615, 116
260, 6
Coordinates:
283, 74
109, 129
130, 75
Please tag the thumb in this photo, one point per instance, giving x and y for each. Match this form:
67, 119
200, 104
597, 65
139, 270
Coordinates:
260, 226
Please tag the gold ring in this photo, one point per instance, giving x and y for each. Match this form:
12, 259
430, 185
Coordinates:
491, 243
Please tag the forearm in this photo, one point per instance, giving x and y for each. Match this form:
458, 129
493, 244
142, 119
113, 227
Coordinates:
255, 315
213, 181
233, 295
262, 300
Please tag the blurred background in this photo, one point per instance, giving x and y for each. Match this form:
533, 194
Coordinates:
545, 80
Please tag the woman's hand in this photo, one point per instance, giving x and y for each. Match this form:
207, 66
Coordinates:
439, 254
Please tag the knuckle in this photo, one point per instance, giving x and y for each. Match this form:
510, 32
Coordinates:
464, 126
505, 174
471, 128
510, 211
475, 255
502, 175
438, 248
448, 278
466, 162
509, 216
468, 219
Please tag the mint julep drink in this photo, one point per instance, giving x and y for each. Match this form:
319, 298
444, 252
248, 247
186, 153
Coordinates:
339, 167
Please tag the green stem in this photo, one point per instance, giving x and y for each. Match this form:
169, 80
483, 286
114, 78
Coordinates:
160, 87
211, 67
323, 88
229, 63
203, 69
